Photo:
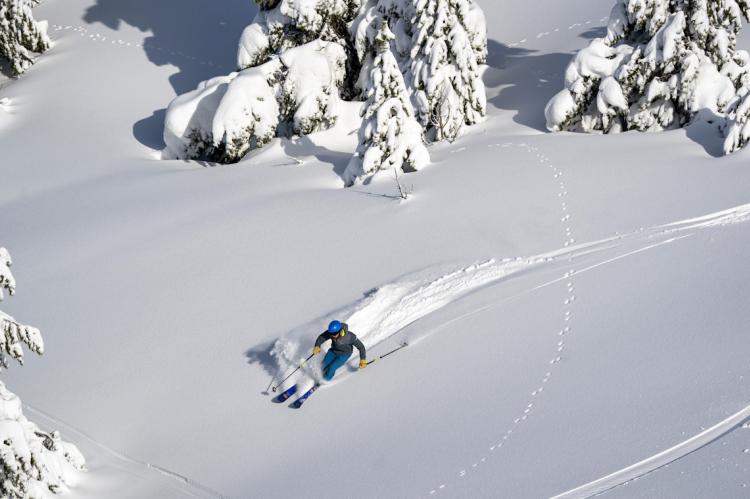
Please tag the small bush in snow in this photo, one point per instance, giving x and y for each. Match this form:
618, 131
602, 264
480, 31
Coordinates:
20, 35
403, 192
307, 54
659, 64
31, 461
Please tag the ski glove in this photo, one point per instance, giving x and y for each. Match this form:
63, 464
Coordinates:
362, 363
316, 350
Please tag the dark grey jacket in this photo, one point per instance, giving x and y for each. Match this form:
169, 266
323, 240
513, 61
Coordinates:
342, 345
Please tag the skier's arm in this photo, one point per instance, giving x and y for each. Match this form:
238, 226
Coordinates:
321, 339
361, 347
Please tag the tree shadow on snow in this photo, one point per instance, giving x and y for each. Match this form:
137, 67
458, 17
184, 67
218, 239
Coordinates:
6, 73
150, 131
302, 145
198, 37
704, 131
529, 81
598, 32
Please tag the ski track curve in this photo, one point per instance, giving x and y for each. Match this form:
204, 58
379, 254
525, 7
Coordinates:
659, 460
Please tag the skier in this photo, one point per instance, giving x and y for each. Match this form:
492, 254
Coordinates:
343, 342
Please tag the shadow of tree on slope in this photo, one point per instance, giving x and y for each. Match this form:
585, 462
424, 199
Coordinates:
198, 37
528, 81
598, 32
302, 145
705, 130
188, 34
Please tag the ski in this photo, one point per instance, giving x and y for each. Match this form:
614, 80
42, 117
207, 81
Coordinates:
301, 400
282, 397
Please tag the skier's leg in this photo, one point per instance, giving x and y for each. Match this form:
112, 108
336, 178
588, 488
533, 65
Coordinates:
329, 356
339, 361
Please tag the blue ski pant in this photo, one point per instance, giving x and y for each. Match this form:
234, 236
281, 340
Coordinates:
331, 362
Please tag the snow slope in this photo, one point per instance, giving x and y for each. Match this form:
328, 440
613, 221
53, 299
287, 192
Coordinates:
575, 304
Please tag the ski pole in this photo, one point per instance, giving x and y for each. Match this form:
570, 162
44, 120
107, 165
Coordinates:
404, 344
290, 374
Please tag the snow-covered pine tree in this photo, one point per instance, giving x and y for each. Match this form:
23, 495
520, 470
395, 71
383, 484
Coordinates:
292, 64
20, 34
31, 461
445, 42
448, 45
659, 64
284, 24
390, 137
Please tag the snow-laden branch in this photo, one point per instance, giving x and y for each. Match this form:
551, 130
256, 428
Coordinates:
20, 35
13, 334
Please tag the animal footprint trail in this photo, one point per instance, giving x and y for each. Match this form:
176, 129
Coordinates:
98, 37
544, 34
567, 303
663, 234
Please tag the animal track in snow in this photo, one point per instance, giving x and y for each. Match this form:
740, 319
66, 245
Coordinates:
97, 37
560, 337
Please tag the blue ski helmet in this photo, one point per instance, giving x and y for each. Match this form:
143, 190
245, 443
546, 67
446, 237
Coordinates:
334, 327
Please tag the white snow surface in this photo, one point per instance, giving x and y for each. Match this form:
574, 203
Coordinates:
575, 305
